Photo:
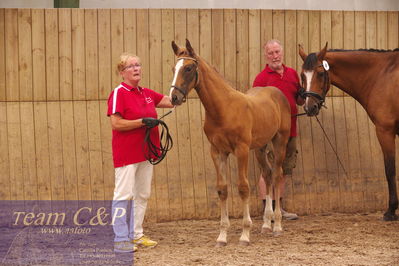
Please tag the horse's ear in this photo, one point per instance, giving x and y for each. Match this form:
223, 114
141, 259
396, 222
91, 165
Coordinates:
190, 49
302, 52
176, 48
322, 53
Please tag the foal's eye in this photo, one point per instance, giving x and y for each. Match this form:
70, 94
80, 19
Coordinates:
320, 74
189, 68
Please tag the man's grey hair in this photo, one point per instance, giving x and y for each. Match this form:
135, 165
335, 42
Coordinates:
272, 41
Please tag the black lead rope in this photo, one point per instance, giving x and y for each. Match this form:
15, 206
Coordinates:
156, 154
329, 141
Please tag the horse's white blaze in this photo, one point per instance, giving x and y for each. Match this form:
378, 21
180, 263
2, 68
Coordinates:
308, 75
179, 64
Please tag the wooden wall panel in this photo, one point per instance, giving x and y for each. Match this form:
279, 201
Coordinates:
38, 55
42, 151
2, 57
68, 150
25, 54
17, 184
95, 154
78, 54
52, 54
58, 67
11, 52
28, 151
105, 66
5, 186
65, 53
82, 150
91, 54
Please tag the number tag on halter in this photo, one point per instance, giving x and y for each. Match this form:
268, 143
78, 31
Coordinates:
326, 65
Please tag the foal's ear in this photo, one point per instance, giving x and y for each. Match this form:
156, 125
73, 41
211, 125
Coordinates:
302, 52
176, 48
190, 49
322, 53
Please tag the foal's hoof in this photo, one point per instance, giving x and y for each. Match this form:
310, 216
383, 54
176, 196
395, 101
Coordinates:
390, 217
244, 243
277, 233
220, 244
265, 230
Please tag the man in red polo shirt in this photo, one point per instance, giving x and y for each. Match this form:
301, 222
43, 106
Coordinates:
278, 75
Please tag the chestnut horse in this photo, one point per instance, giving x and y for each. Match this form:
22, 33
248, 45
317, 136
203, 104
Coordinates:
372, 78
235, 123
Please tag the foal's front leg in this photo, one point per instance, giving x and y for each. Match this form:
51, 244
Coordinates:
242, 152
220, 161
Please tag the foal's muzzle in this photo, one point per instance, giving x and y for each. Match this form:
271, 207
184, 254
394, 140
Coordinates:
178, 96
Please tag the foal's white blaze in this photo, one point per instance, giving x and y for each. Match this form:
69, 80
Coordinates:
308, 75
179, 64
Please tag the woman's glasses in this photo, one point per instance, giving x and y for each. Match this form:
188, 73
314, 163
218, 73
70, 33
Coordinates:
132, 66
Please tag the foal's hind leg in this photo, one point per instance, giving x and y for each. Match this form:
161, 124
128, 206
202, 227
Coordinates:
266, 175
220, 162
280, 146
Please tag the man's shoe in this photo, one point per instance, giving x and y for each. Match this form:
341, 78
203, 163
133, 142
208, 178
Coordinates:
288, 215
124, 247
145, 242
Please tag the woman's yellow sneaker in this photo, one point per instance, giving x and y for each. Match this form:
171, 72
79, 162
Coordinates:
145, 242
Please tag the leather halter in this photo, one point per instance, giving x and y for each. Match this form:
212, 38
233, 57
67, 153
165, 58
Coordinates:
184, 93
326, 86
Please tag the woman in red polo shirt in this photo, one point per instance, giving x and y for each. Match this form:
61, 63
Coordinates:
131, 109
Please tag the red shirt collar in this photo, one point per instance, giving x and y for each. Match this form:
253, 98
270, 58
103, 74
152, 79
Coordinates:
130, 88
268, 69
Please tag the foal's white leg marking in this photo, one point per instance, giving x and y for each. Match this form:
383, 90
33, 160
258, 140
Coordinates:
277, 227
268, 215
179, 64
308, 75
224, 215
247, 224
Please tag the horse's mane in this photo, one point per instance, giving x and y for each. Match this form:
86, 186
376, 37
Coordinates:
365, 50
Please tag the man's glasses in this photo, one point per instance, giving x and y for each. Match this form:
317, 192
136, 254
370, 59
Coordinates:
132, 66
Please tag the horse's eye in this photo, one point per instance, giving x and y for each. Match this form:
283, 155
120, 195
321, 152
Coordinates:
189, 68
320, 74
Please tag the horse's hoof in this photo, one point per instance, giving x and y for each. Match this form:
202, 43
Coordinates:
244, 243
265, 230
220, 244
390, 217
277, 233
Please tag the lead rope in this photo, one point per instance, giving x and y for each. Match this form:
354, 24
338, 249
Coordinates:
332, 147
165, 144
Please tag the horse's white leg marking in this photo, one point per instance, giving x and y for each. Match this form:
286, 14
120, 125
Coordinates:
268, 215
308, 75
179, 64
277, 228
242, 153
220, 161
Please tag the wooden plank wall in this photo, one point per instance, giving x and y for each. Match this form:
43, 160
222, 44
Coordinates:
57, 68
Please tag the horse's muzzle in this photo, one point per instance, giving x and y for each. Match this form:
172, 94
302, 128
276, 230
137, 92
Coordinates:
312, 109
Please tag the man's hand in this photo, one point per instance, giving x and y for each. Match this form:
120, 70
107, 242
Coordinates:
150, 122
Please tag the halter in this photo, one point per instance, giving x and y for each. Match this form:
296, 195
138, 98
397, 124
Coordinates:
196, 79
326, 86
